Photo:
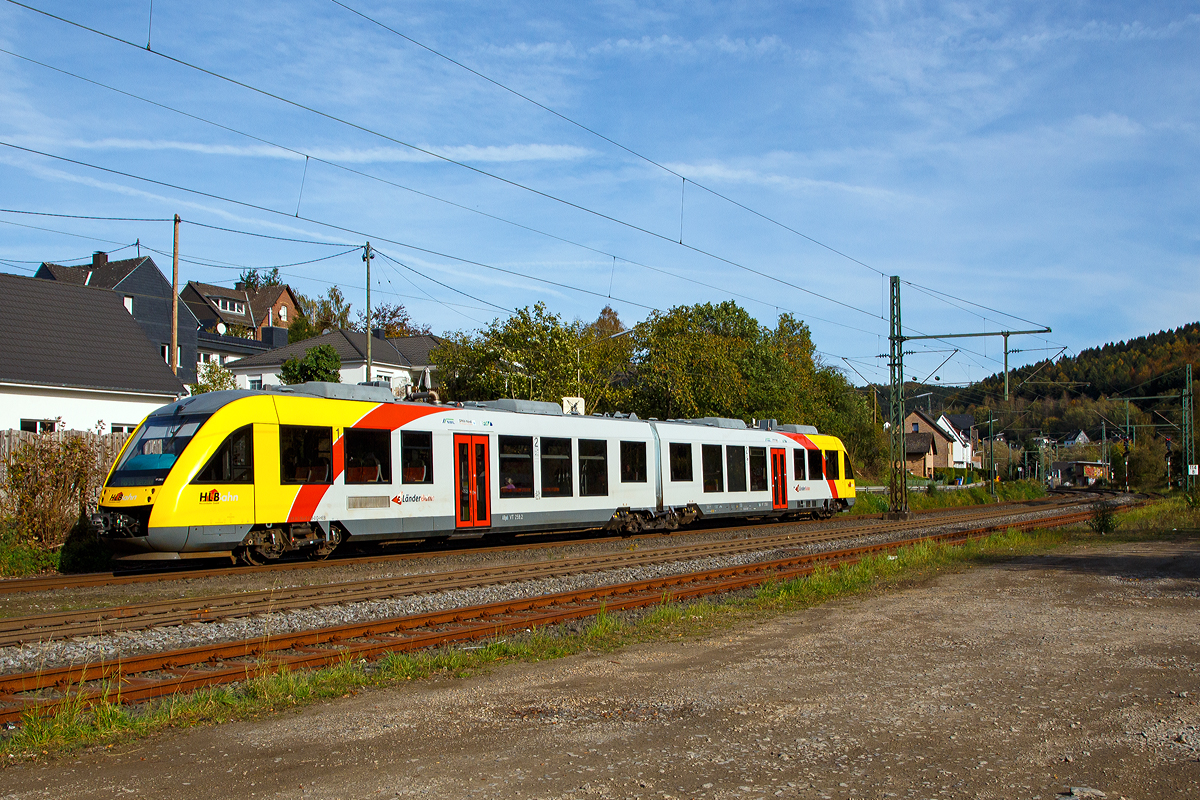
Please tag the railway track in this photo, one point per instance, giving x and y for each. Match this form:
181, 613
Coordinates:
43, 583
178, 611
140, 678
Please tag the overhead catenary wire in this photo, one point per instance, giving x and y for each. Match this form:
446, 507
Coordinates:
402, 187
433, 154
332, 226
684, 178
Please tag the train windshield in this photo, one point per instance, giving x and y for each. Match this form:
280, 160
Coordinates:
154, 449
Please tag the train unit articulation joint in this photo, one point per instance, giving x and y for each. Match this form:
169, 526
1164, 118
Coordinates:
257, 474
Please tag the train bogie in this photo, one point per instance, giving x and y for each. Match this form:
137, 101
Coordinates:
304, 468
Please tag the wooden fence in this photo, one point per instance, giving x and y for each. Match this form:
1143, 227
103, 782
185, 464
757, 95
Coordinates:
105, 445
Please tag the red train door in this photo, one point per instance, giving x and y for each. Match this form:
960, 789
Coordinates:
779, 479
471, 483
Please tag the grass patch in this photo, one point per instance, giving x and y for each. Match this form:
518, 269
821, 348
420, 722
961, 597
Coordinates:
920, 499
21, 557
110, 722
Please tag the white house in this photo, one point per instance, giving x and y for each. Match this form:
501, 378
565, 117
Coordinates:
961, 451
72, 357
400, 362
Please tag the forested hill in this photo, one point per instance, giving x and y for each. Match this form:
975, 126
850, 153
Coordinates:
1112, 368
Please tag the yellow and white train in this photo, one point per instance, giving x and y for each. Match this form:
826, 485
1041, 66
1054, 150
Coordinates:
256, 474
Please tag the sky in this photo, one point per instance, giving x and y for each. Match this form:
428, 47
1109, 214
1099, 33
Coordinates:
1016, 164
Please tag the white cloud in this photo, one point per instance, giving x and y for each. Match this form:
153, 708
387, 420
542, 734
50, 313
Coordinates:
371, 155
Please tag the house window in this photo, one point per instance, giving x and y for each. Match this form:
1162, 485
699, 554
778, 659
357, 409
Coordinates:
516, 466
256, 382
234, 460
681, 462
416, 454
368, 456
914, 430
129, 303
593, 468
164, 350
556, 468
123, 427
306, 454
714, 474
232, 306
38, 425
758, 469
633, 462
383, 376
283, 313
735, 461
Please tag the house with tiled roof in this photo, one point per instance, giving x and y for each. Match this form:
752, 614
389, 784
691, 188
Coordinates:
72, 356
261, 313
400, 362
920, 453
146, 295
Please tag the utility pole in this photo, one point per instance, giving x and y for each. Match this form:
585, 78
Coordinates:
1104, 450
898, 486
367, 256
173, 357
992, 446
1189, 433
1006, 367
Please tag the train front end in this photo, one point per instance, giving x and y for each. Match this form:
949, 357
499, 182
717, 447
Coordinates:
140, 504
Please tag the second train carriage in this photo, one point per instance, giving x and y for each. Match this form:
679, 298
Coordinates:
261, 473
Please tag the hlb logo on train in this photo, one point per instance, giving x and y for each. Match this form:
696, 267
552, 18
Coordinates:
401, 499
215, 496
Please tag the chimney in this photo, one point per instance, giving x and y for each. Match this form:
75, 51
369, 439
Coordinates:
99, 259
240, 286
377, 333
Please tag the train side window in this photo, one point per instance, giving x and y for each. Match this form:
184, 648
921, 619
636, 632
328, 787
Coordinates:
758, 469
798, 464
368, 456
735, 460
815, 466
710, 463
556, 468
849, 469
516, 466
234, 460
831, 465
681, 462
416, 457
633, 462
305, 454
593, 468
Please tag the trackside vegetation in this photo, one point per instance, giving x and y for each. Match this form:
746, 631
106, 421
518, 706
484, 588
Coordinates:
922, 499
111, 723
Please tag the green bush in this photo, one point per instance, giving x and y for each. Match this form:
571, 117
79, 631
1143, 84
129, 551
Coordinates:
320, 363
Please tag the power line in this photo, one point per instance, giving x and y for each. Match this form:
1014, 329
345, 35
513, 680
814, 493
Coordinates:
445, 286
403, 187
434, 154
613, 142
82, 216
63, 233
330, 225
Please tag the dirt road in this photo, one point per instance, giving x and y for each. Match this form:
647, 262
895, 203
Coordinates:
1019, 680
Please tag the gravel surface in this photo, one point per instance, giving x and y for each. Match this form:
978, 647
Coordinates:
111, 646
1070, 675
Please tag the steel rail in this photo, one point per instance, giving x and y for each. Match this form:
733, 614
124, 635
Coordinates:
140, 678
93, 579
17, 630
177, 611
